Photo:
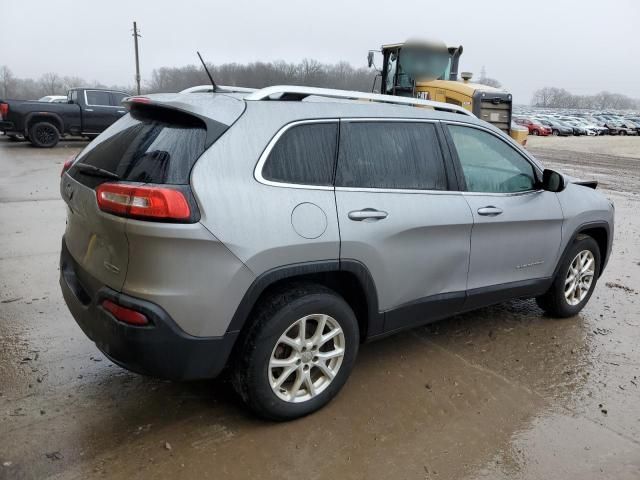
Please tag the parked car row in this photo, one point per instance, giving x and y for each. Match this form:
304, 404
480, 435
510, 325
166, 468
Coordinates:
561, 123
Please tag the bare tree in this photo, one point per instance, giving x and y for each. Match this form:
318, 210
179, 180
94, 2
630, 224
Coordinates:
490, 82
51, 83
560, 98
7, 81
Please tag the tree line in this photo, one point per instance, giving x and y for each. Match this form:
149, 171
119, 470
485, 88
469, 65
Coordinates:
173, 79
261, 74
553, 97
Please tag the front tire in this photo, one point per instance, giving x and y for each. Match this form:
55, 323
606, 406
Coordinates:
536, 133
555, 133
298, 354
575, 280
44, 135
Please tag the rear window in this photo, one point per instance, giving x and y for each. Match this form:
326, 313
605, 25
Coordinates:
145, 151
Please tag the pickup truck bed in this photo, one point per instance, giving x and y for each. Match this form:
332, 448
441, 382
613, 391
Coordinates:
89, 112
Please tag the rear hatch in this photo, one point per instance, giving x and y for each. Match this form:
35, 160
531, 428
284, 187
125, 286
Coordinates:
152, 148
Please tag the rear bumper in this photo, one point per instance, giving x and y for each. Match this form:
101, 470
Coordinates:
161, 349
7, 126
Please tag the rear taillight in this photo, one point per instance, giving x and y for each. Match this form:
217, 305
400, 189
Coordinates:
124, 314
144, 202
67, 165
4, 110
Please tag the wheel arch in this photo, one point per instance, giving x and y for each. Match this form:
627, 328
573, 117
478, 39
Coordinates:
35, 117
349, 278
600, 232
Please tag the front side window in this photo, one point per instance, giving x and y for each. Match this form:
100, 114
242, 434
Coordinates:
305, 154
397, 155
96, 97
489, 164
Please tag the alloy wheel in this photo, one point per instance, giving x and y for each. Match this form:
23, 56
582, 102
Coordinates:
306, 358
45, 134
579, 277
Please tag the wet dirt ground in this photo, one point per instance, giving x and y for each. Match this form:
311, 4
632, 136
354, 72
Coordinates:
500, 393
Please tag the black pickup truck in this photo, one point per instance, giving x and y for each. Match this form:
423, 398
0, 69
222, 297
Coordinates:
88, 112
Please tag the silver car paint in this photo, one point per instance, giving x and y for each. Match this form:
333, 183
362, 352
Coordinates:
519, 244
96, 240
420, 249
199, 273
582, 206
187, 271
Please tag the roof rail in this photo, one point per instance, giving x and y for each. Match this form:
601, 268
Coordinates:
292, 92
219, 89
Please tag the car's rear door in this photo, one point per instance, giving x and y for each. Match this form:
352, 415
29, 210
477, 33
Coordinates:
516, 225
398, 217
98, 112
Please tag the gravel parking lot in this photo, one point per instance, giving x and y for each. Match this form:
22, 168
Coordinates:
500, 393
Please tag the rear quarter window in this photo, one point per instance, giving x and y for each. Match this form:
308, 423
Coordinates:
305, 154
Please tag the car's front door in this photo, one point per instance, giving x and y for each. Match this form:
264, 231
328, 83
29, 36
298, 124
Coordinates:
398, 217
517, 225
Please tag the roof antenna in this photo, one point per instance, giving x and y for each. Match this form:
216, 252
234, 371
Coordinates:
213, 84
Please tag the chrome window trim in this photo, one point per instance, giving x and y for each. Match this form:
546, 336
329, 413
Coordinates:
511, 144
257, 172
397, 190
86, 102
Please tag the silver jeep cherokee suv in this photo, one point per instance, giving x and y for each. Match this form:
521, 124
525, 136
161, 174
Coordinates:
274, 231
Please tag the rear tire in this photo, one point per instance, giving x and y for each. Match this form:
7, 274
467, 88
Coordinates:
535, 132
575, 280
44, 135
555, 133
312, 372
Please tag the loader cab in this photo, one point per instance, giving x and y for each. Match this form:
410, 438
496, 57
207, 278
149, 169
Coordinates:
404, 63
430, 71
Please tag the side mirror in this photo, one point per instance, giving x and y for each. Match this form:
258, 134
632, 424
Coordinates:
552, 181
370, 59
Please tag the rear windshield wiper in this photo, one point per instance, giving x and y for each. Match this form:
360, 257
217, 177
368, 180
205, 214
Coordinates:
96, 171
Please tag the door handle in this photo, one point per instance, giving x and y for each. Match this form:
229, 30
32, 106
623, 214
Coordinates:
489, 211
369, 214
88, 109
121, 111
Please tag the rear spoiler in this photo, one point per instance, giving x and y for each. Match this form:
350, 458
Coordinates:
143, 108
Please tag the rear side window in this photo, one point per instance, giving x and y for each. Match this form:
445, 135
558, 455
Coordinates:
146, 151
400, 155
96, 97
304, 154
116, 98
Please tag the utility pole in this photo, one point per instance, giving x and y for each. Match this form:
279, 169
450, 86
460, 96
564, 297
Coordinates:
135, 40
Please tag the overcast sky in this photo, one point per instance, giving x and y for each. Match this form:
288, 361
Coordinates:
582, 45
